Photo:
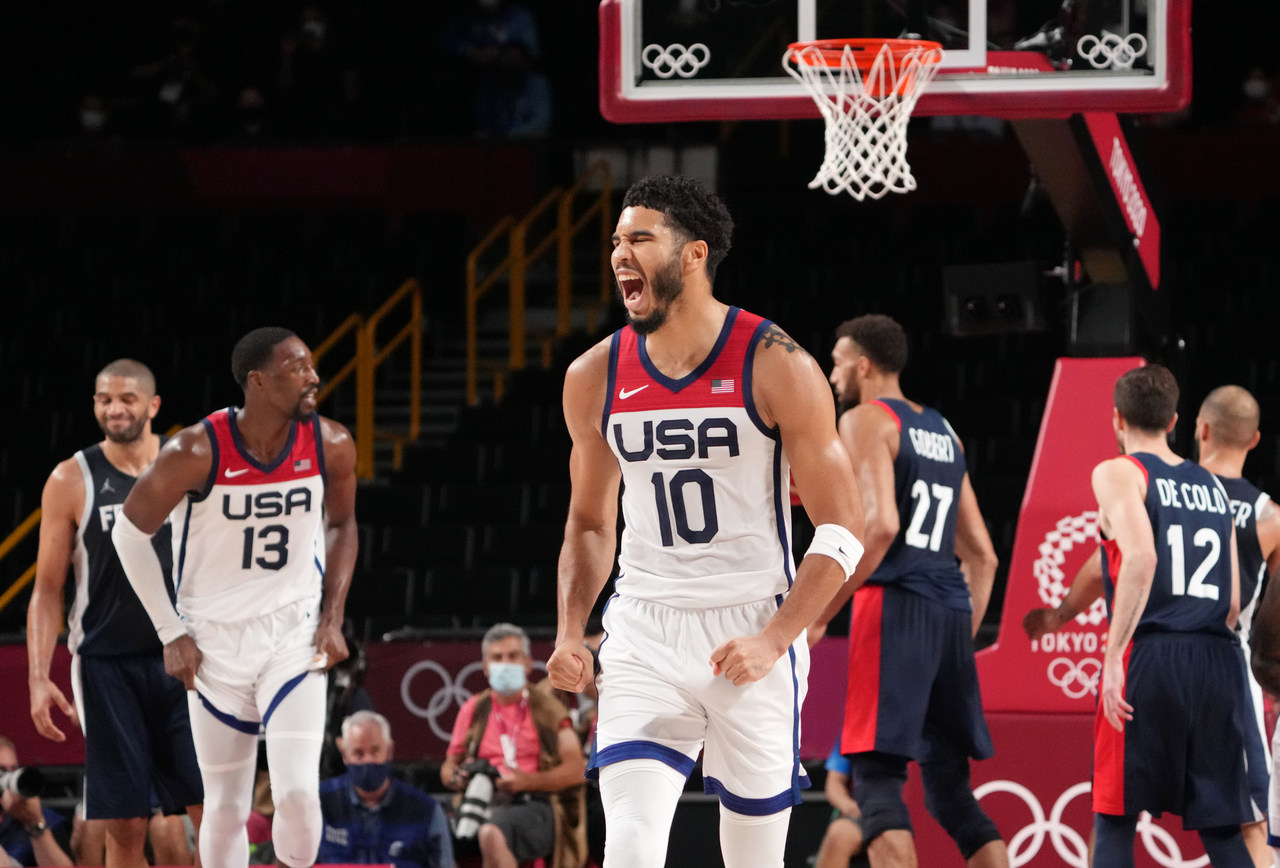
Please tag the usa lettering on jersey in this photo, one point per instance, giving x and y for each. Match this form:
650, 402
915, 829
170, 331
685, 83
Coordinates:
265, 504
706, 522
677, 439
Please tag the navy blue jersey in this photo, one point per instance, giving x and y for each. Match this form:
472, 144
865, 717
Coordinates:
1191, 522
1246, 503
106, 616
928, 474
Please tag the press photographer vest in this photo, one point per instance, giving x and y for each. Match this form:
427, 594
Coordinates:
568, 806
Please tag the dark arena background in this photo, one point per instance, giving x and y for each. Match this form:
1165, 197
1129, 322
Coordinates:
174, 174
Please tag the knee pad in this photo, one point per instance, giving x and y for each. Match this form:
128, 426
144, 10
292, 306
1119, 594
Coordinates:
639, 798
949, 799
753, 840
297, 827
878, 779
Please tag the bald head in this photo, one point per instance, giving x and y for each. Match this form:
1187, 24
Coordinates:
1232, 415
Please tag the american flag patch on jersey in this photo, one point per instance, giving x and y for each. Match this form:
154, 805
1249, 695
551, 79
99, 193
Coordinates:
721, 387
302, 464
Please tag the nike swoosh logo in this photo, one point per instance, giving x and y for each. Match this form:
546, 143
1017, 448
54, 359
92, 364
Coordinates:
623, 394
232, 474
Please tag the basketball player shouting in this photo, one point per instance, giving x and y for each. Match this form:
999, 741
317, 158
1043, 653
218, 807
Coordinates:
699, 409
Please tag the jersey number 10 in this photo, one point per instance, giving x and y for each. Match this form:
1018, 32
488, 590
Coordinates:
677, 487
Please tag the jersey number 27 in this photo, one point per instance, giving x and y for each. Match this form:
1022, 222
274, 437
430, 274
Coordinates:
915, 536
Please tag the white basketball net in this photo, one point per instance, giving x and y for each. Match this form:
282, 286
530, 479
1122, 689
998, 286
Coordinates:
866, 115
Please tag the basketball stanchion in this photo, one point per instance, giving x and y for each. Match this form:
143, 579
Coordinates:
866, 90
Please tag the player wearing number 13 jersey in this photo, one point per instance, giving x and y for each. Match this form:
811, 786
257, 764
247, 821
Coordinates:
913, 686
264, 532
271, 514
698, 409
1172, 708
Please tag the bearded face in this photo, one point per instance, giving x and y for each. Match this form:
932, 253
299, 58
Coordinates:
667, 287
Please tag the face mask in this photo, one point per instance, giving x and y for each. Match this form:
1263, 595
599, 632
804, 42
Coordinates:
314, 29
367, 776
506, 678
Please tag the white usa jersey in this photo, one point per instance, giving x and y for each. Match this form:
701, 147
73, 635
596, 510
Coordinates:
705, 482
252, 541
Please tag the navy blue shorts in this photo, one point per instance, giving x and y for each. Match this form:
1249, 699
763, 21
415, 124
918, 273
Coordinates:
137, 738
913, 684
1184, 750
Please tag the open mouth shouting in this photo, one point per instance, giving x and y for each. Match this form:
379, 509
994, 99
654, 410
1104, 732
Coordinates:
631, 288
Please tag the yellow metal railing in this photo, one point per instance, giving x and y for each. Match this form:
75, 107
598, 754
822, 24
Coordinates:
366, 357
521, 254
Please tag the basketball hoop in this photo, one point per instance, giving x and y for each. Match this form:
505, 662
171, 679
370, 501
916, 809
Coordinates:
865, 89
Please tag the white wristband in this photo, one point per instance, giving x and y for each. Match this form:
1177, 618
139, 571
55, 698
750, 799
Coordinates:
836, 542
142, 566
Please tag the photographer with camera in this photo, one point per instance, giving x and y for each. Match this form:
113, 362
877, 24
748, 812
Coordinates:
373, 818
26, 826
514, 747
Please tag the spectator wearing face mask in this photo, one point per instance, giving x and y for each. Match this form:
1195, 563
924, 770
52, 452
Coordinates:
373, 818
527, 736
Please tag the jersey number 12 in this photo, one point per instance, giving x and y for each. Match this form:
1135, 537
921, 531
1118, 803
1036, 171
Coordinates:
1205, 537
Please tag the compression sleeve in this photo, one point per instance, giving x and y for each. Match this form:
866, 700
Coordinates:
142, 566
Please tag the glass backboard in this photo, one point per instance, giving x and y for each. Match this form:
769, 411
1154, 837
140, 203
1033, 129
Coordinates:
688, 60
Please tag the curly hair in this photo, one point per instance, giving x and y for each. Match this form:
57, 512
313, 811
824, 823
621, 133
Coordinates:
691, 211
880, 338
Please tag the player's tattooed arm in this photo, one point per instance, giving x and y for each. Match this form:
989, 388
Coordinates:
775, 336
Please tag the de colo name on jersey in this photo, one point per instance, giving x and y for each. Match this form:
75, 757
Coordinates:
1195, 496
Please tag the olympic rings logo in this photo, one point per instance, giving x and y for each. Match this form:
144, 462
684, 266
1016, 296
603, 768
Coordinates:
1077, 680
448, 697
1026, 843
676, 59
1069, 844
1111, 51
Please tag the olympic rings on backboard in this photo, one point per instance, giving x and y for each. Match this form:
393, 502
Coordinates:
676, 59
1112, 51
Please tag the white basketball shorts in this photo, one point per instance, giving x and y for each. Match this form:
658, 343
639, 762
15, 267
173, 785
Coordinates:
659, 700
250, 666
